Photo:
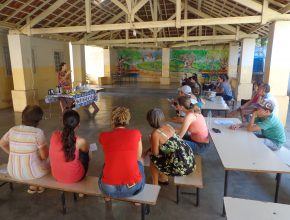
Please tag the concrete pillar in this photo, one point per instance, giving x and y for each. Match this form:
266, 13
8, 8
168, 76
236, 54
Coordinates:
233, 59
277, 66
24, 92
233, 64
79, 65
107, 63
245, 69
107, 79
165, 79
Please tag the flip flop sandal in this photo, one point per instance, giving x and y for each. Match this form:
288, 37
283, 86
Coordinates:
40, 190
32, 191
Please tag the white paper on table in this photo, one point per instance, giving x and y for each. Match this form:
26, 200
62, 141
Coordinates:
3, 169
93, 147
223, 122
284, 154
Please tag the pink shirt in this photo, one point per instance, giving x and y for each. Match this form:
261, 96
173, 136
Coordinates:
198, 130
63, 171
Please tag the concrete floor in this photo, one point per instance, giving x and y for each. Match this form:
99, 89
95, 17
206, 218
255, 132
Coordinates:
139, 98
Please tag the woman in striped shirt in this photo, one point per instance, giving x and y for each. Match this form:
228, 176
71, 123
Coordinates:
27, 148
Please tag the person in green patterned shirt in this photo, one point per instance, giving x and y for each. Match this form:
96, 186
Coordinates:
268, 124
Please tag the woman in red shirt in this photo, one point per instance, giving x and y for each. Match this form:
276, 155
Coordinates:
69, 153
123, 173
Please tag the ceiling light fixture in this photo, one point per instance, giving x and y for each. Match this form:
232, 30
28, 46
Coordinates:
134, 33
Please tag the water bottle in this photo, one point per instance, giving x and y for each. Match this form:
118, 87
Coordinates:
209, 116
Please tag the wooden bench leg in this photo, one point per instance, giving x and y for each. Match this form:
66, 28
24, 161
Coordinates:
145, 210
177, 194
75, 197
278, 179
63, 203
11, 186
197, 197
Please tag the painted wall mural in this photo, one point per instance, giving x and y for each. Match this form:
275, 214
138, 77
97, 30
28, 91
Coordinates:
202, 60
142, 61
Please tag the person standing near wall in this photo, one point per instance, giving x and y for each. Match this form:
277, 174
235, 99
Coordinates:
64, 82
64, 78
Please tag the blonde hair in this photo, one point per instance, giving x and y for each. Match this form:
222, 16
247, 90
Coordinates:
186, 103
120, 116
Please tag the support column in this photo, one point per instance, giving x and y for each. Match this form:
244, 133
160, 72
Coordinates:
245, 70
107, 69
24, 92
165, 79
107, 63
233, 64
79, 64
277, 66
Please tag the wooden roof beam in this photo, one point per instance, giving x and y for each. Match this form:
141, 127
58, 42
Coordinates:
178, 13
43, 15
155, 24
137, 8
285, 9
173, 39
120, 5
255, 6
204, 15
88, 15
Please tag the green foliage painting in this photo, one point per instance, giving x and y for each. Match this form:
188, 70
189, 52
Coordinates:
206, 61
144, 62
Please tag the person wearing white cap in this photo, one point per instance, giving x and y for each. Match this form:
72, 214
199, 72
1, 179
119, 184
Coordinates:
182, 91
265, 121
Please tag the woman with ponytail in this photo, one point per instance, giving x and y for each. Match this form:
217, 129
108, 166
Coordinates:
194, 130
69, 153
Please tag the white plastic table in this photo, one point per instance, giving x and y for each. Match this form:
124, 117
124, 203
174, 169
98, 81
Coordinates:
241, 209
241, 150
215, 104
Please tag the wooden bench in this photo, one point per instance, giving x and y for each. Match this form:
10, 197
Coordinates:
88, 186
194, 179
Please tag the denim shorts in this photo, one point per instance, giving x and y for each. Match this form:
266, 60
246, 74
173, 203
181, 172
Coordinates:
119, 191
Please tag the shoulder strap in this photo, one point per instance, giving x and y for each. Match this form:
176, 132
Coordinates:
162, 133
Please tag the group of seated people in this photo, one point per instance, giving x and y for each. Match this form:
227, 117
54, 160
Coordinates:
259, 114
171, 152
67, 158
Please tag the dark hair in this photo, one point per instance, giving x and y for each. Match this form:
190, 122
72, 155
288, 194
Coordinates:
31, 115
155, 118
71, 120
186, 103
266, 87
223, 77
194, 77
61, 65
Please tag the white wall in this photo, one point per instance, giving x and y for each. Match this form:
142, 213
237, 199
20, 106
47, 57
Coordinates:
94, 57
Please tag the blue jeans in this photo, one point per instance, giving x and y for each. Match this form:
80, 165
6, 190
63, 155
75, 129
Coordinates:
269, 143
119, 191
197, 148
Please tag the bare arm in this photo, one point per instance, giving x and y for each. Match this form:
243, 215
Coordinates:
139, 154
43, 152
154, 143
252, 126
5, 146
186, 123
82, 145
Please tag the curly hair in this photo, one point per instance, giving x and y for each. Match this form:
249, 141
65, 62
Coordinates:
120, 116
